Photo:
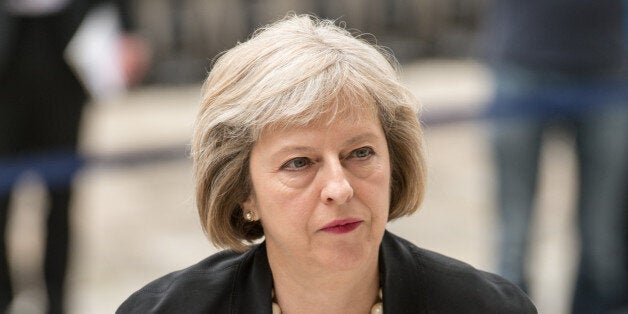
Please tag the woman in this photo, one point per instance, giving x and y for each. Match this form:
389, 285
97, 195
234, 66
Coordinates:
307, 138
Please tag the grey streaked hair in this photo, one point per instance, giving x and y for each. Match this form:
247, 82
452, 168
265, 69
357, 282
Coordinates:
294, 72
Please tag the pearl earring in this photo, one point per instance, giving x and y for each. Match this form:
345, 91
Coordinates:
249, 216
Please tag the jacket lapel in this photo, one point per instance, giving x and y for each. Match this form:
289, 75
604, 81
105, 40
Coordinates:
253, 284
402, 278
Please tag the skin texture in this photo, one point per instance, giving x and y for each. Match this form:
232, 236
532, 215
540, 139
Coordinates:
305, 179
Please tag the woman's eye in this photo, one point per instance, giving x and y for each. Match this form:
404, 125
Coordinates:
362, 153
296, 163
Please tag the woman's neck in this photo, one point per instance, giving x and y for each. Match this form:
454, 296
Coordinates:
312, 290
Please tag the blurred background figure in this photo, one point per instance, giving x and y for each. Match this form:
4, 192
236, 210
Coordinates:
559, 65
41, 101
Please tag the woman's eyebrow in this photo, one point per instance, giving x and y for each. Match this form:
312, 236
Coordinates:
293, 149
360, 138
309, 149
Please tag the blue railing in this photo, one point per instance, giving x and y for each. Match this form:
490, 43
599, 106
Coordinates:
58, 167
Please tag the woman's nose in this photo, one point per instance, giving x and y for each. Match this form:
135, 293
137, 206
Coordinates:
336, 187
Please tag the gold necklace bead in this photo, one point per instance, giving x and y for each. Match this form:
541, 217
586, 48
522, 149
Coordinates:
378, 308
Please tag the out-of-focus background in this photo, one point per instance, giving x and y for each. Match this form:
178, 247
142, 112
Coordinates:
133, 211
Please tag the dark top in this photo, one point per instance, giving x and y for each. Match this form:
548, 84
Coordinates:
61, 25
581, 36
414, 280
41, 98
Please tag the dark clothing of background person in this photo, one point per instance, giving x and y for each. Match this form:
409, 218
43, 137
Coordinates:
41, 102
559, 63
579, 37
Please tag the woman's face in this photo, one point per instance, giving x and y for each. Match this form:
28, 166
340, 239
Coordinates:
322, 192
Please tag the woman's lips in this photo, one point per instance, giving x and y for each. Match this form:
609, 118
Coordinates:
342, 226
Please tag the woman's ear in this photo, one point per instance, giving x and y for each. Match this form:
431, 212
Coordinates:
249, 204
249, 209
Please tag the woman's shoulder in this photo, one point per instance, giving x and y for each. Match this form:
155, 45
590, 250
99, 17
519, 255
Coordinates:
448, 285
427, 261
201, 286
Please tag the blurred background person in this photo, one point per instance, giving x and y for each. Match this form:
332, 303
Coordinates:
559, 64
41, 101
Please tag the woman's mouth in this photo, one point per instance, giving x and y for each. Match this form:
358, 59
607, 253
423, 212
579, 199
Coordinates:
342, 226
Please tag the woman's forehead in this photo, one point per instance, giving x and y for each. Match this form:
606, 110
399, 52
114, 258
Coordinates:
354, 111
342, 131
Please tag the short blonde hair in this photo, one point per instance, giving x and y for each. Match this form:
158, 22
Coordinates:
294, 72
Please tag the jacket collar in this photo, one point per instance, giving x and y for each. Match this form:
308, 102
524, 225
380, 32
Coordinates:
403, 289
253, 283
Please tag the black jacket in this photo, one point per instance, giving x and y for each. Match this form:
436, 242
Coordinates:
414, 280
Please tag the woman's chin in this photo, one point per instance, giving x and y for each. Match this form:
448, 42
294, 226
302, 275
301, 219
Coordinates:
346, 256
347, 251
